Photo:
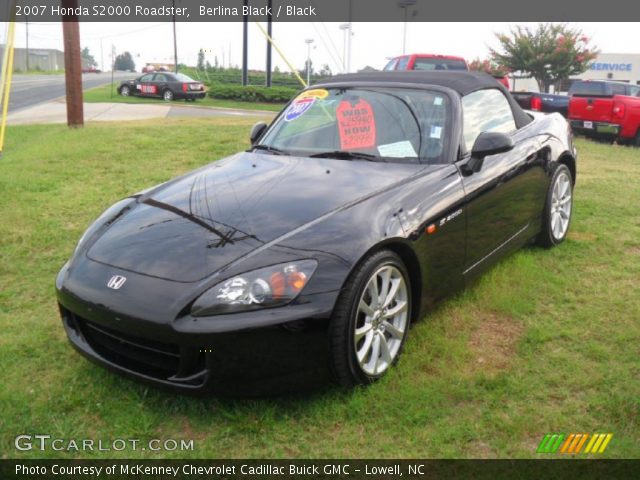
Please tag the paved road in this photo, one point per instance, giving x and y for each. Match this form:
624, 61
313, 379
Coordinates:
29, 90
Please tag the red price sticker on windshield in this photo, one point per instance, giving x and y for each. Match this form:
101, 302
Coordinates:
356, 125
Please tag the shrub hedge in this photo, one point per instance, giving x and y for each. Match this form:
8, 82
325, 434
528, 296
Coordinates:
253, 93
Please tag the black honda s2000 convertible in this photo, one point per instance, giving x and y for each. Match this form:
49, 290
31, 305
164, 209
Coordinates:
368, 198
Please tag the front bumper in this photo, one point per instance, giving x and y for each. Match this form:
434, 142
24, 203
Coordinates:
256, 353
595, 128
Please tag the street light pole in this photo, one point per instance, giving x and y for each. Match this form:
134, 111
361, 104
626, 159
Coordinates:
346, 29
308, 41
405, 4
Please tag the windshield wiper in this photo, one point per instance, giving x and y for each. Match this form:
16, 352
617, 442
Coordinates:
346, 155
270, 149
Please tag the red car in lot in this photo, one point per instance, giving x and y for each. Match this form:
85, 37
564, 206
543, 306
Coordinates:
606, 110
429, 61
426, 61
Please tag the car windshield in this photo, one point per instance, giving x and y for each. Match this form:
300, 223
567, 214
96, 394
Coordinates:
372, 123
184, 78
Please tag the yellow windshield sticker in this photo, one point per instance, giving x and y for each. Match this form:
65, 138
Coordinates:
318, 93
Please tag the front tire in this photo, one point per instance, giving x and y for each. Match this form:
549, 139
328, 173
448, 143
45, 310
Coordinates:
558, 208
371, 320
125, 91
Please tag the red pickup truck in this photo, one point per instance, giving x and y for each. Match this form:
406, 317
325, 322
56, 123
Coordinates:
430, 61
606, 110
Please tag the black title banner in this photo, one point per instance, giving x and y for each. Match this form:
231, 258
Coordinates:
320, 469
317, 10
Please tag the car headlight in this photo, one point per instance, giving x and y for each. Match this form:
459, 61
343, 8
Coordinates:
106, 217
267, 287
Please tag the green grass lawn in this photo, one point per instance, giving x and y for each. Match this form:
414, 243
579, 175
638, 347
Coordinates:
105, 93
547, 341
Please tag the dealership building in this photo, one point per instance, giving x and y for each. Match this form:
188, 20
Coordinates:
620, 67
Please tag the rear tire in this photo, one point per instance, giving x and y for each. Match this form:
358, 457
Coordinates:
636, 140
167, 95
558, 208
370, 321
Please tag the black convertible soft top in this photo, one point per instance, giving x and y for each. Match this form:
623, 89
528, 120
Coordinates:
463, 82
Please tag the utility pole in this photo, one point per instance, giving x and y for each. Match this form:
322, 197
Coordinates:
72, 65
27, 25
270, 33
175, 40
245, 46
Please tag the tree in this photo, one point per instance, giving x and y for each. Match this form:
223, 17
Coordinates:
550, 54
124, 61
325, 71
201, 59
87, 58
488, 66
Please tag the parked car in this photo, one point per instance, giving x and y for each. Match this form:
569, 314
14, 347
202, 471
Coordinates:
361, 205
606, 110
428, 61
169, 86
543, 102
90, 70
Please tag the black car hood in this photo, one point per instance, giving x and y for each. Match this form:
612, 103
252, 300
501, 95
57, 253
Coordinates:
196, 225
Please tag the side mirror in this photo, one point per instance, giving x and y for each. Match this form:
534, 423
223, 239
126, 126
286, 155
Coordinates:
487, 143
491, 143
256, 132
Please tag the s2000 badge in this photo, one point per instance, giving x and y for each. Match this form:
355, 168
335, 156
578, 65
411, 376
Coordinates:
298, 108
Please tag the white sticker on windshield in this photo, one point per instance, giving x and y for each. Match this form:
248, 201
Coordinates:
436, 131
437, 101
397, 150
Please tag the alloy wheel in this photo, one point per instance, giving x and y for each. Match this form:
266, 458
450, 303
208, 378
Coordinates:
561, 200
381, 320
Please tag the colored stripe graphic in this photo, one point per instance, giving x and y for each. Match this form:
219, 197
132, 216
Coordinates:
550, 443
574, 442
581, 443
606, 442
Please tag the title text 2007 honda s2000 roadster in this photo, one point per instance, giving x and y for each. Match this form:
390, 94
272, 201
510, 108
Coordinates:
367, 199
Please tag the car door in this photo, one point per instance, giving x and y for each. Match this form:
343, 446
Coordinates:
504, 197
145, 85
161, 82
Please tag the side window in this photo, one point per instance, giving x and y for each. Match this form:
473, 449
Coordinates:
485, 111
618, 89
634, 91
402, 63
391, 65
146, 78
160, 78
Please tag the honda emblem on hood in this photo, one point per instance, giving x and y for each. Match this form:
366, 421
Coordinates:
116, 282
